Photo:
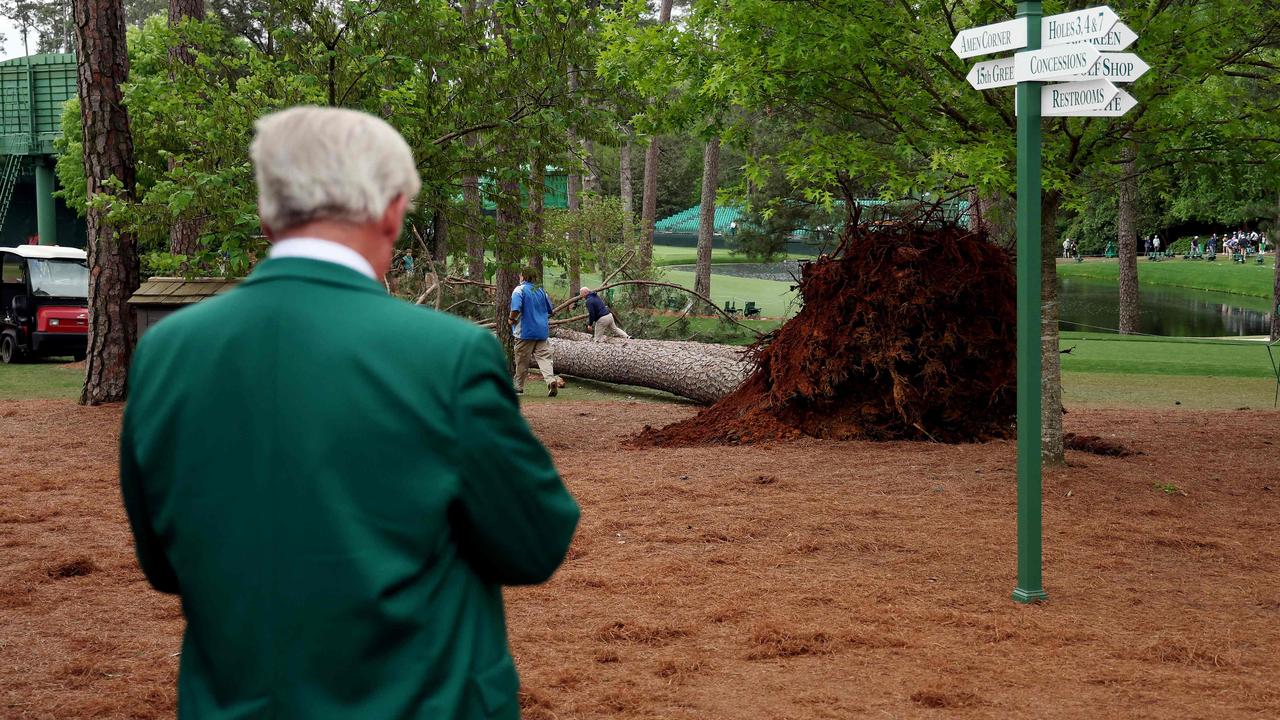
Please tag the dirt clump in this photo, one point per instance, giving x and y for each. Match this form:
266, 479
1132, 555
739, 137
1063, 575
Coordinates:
1097, 445
907, 332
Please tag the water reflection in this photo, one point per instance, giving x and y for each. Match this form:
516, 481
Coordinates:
1088, 304
1167, 311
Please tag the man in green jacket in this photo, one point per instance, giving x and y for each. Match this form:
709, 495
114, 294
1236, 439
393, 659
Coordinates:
337, 483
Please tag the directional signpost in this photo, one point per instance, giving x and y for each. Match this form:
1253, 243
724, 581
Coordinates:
1079, 54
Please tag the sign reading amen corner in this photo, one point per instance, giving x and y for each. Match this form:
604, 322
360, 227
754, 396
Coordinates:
1000, 37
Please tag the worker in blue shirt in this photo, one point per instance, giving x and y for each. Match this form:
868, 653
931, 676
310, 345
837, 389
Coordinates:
600, 319
529, 320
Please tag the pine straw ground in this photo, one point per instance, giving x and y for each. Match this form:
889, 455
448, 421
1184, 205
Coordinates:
798, 580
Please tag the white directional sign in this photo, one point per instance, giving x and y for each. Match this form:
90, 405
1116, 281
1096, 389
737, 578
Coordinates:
1077, 26
1120, 105
993, 74
988, 39
1062, 62
1076, 98
1120, 38
1117, 67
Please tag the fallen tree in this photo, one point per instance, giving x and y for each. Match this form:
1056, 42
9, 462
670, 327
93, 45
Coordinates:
907, 332
698, 371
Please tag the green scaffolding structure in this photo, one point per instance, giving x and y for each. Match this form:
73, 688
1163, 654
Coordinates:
33, 90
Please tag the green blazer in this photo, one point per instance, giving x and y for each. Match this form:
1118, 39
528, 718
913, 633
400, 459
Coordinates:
337, 483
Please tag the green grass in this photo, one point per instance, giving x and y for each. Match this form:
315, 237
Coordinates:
1114, 371
1220, 276
41, 380
1114, 354
773, 297
677, 255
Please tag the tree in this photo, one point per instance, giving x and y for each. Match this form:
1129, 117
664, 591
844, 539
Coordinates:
898, 119
103, 66
649, 197
184, 234
1127, 238
707, 216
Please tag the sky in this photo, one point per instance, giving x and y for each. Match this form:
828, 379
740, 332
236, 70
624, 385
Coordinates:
12, 39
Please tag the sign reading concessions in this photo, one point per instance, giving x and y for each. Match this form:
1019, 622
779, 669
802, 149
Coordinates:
993, 74
988, 39
1120, 38
1055, 63
1076, 98
1120, 105
1117, 67
1078, 26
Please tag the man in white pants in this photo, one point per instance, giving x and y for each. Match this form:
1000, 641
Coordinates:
600, 319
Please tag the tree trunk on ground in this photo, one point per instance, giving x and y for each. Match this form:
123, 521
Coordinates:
1127, 238
1051, 358
627, 194
102, 67
184, 234
707, 216
537, 183
675, 367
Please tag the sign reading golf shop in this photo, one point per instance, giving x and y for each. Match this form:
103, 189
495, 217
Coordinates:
1079, 54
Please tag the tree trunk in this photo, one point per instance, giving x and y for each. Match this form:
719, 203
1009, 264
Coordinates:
184, 234
102, 67
648, 213
649, 200
1275, 293
1051, 358
475, 241
471, 199
676, 367
574, 251
507, 254
707, 216
1127, 238
440, 239
624, 179
591, 179
537, 185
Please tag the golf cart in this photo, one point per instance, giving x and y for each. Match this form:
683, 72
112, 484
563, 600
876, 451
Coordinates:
44, 294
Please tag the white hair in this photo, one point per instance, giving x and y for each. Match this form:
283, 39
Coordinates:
316, 163
585, 291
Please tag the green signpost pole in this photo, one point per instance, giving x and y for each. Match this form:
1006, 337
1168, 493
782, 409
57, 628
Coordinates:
1030, 583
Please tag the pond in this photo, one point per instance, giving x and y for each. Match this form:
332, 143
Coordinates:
1093, 305
1088, 304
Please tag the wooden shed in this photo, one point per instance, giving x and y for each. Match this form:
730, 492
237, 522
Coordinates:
160, 296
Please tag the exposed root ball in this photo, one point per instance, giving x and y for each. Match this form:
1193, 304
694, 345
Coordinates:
907, 332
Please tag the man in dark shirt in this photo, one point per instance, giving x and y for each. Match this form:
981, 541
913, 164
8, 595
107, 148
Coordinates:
599, 319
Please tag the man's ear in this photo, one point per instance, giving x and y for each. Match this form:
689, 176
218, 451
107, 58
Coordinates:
266, 231
393, 218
